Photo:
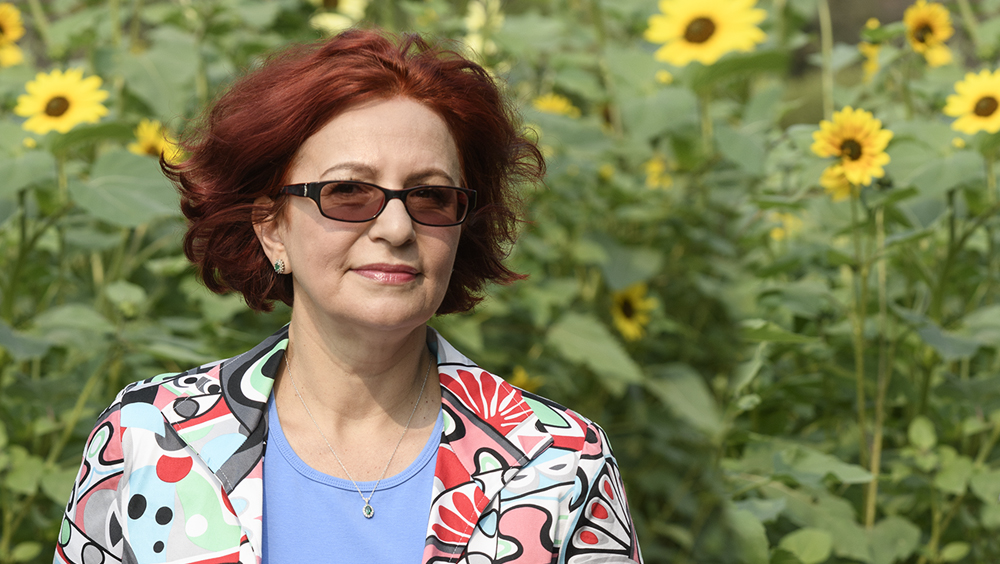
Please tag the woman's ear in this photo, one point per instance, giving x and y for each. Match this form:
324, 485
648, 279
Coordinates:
270, 232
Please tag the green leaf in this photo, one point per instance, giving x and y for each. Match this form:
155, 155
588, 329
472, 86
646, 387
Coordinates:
25, 471
30, 168
529, 34
747, 371
164, 75
58, 484
21, 346
25, 551
954, 476
782, 556
809, 545
669, 109
585, 340
126, 190
750, 535
72, 324
127, 296
921, 433
936, 177
684, 391
762, 330
893, 539
955, 551
951, 346
746, 151
738, 64
765, 510
626, 266
810, 467
3, 435
986, 486
91, 134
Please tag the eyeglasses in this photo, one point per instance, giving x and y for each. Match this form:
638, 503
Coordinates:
357, 202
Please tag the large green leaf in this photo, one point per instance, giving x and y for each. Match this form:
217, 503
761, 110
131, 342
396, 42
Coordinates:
583, 339
810, 546
751, 536
34, 167
742, 149
127, 190
163, 76
21, 346
684, 391
810, 467
893, 539
668, 109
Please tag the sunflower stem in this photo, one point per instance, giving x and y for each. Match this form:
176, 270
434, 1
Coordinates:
115, 16
826, 44
860, 287
884, 370
971, 26
41, 24
614, 112
705, 112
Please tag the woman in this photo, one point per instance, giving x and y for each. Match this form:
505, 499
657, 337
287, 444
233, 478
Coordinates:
365, 181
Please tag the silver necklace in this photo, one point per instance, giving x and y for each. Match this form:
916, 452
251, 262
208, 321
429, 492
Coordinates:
367, 510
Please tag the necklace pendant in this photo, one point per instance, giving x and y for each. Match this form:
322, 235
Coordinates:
368, 512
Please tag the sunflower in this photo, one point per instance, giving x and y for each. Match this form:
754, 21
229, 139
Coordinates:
928, 26
656, 174
11, 28
858, 140
10, 55
553, 103
836, 184
787, 225
630, 311
60, 101
975, 103
152, 139
870, 51
704, 31
521, 379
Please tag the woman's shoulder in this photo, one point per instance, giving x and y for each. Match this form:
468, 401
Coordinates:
528, 420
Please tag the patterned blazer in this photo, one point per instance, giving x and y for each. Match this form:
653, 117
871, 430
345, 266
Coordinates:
172, 472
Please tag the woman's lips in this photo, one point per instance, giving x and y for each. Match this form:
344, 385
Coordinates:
388, 273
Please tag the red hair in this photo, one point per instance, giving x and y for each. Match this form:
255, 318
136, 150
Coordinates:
246, 141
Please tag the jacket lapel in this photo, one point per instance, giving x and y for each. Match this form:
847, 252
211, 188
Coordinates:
490, 432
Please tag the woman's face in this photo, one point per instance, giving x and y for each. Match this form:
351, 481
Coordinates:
389, 273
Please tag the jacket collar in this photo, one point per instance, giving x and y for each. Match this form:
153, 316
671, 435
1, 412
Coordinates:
491, 430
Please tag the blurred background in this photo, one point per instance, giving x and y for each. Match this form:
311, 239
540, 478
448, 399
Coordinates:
764, 258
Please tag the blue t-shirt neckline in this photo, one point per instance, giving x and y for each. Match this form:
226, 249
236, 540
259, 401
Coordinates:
277, 439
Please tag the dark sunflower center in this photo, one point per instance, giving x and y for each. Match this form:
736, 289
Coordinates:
2, 30
699, 30
56, 106
986, 106
922, 33
628, 310
851, 149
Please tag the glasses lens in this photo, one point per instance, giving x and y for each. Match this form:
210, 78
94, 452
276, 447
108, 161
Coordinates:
351, 201
437, 205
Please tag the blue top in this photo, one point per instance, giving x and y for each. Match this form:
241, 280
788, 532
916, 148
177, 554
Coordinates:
310, 516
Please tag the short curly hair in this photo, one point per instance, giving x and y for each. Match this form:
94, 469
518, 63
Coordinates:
246, 141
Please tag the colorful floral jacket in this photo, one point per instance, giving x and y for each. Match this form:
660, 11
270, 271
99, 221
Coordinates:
172, 472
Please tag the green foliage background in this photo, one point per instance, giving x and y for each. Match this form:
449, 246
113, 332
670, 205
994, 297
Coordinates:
735, 418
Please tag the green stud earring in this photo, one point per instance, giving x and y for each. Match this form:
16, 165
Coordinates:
279, 266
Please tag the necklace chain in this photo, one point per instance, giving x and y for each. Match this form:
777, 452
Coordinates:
367, 510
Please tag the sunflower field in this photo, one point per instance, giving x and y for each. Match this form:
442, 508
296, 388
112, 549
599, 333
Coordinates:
766, 257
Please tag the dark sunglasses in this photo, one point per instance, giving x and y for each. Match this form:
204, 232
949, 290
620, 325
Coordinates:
356, 202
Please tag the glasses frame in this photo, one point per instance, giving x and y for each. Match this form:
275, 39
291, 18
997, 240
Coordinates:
313, 190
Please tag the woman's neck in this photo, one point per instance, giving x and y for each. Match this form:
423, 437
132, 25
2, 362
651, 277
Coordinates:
351, 374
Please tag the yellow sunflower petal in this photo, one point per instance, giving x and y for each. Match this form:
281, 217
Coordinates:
11, 26
10, 55
976, 103
704, 31
59, 101
630, 311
